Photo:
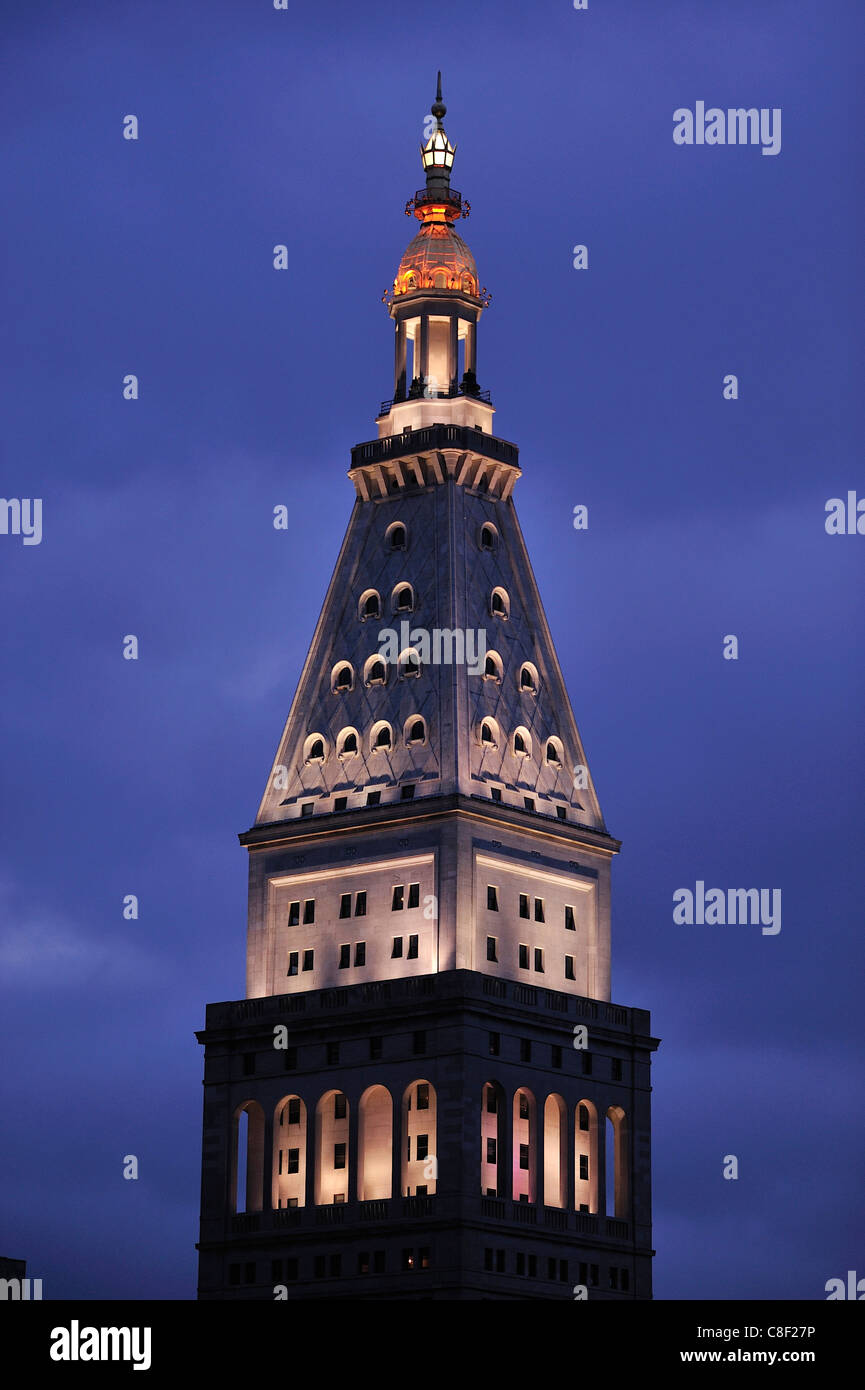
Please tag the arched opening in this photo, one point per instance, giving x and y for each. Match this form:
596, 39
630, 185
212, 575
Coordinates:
375, 670
493, 1140
247, 1157
617, 1163
347, 743
289, 1154
554, 752
493, 667
342, 676
586, 1157
500, 604
555, 1152
419, 1134
381, 737
369, 605
490, 733
415, 729
396, 536
489, 537
409, 663
331, 1149
522, 742
403, 599
375, 1144
525, 1146
529, 678
314, 749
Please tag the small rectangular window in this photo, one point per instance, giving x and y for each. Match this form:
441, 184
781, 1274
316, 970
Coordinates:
332, 1054
539, 959
496, 793
495, 1041
340, 803
290, 1056
584, 1167
533, 1266
593, 1275
569, 968
363, 1262
423, 1254
249, 1063
339, 1155
585, 1122
488, 1259
539, 910
374, 1049
408, 1149
525, 1050
524, 1106
584, 1273
616, 1069
345, 905
294, 914
492, 1102
561, 813
524, 1156
309, 960
524, 957
306, 808
360, 953
521, 1262
344, 956
378, 1265
397, 947
556, 1058
360, 903
529, 803
491, 948
339, 1104
411, 954
491, 1151
293, 959
338, 1198
422, 1146
500, 1262
613, 1277
551, 1268
373, 798
570, 922
587, 1064
524, 904
492, 899
419, 1042
292, 1111
563, 1271
414, 895
294, 1160
398, 899
308, 911
335, 1266
408, 1261
407, 792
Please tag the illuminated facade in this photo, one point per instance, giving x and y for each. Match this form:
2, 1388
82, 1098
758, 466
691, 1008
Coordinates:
426, 1092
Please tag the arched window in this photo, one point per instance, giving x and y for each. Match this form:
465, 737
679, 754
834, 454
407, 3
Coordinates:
347, 743
342, 676
493, 667
554, 752
586, 1158
381, 737
331, 1149
409, 663
489, 536
403, 599
555, 1152
618, 1197
419, 1172
525, 1146
529, 678
375, 670
375, 1144
490, 733
289, 1154
522, 742
396, 536
247, 1157
415, 729
493, 1137
500, 604
369, 605
314, 749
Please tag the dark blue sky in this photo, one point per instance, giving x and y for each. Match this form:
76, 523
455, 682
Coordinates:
706, 518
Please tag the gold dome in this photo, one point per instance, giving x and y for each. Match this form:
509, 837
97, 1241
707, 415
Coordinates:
437, 259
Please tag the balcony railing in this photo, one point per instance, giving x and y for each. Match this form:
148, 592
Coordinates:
396, 446
428, 395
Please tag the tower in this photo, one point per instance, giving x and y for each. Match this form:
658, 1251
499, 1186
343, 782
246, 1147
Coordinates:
426, 1092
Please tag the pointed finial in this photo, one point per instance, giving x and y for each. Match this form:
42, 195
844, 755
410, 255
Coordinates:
438, 108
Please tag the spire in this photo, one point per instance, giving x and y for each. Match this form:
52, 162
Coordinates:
437, 155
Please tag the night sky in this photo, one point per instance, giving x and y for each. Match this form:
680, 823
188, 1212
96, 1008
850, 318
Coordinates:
706, 518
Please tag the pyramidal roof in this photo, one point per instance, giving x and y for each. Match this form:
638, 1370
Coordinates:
432, 671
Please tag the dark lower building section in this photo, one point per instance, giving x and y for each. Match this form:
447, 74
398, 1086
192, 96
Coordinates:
439, 1136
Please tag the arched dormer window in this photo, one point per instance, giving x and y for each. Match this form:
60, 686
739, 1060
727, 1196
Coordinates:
375, 671
493, 667
346, 744
381, 737
522, 742
489, 536
396, 536
403, 599
415, 729
369, 605
342, 676
500, 604
529, 678
314, 749
490, 733
555, 754
409, 663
